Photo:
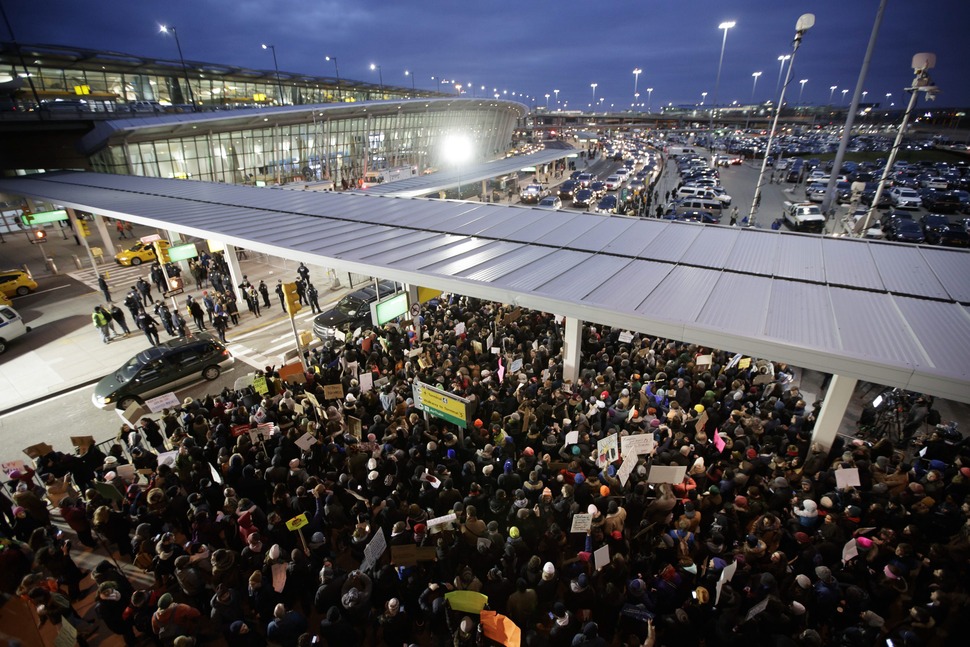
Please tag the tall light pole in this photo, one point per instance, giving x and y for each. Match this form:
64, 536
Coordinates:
805, 22
556, 92
636, 101
636, 79
717, 83
408, 73
864, 93
703, 97
593, 85
457, 149
781, 69
185, 71
380, 76
844, 92
649, 97
279, 84
754, 85
889, 98
547, 101
922, 83
337, 71
832, 90
802, 89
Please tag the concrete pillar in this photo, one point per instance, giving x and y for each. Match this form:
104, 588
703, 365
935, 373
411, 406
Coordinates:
833, 410
235, 272
108, 247
572, 349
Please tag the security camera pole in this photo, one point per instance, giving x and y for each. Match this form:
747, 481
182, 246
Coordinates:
922, 83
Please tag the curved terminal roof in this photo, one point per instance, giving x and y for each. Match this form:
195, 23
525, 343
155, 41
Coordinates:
172, 125
889, 313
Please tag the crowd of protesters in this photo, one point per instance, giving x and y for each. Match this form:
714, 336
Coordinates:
208, 521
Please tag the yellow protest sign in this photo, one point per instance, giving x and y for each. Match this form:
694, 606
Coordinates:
466, 601
297, 522
744, 363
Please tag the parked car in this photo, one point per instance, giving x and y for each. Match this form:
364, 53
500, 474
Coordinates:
16, 283
905, 230
933, 225
940, 201
161, 369
955, 235
698, 215
613, 182
583, 198
532, 193
550, 202
598, 189
351, 312
905, 198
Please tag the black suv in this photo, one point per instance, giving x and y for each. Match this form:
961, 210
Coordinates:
351, 312
161, 369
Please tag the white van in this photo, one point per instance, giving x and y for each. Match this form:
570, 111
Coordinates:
675, 151
11, 326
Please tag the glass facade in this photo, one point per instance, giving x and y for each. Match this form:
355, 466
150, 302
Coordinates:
106, 79
324, 146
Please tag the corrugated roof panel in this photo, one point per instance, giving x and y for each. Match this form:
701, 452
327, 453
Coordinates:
711, 247
396, 239
603, 233
943, 330
904, 270
503, 223
952, 268
433, 249
474, 221
585, 277
640, 234
882, 332
568, 231
458, 264
754, 252
671, 243
540, 228
800, 257
627, 289
800, 313
542, 271
496, 268
850, 265
338, 245
681, 295
737, 304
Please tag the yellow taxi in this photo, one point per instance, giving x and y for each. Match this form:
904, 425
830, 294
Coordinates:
16, 283
136, 255
4, 301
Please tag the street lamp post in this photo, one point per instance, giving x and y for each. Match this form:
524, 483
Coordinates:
279, 84
649, 97
703, 97
717, 83
832, 90
556, 92
337, 71
781, 69
593, 85
547, 101
636, 79
805, 22
408, 73
844, 92
380, 76
754, 85
636, 101
889, 98
864, 93
185, 71
802, 89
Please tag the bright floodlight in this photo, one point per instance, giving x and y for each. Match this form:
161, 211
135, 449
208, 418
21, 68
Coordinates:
373, 66
457, 149
264, 46
726, 25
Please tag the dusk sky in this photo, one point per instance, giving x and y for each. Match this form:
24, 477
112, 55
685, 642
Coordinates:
532, 48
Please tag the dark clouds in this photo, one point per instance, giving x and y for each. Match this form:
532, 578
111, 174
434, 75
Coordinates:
534, 47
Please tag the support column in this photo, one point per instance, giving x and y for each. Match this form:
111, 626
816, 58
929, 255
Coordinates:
572, 349
833, 410
107, 244
235, 272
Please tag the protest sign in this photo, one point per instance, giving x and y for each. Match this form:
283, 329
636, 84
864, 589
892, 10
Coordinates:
847, 477
666, 474
601, 557
333, 391
582, 522
607, 450
306, 441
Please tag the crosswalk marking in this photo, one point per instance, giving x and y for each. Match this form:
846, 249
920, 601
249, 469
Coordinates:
120, 278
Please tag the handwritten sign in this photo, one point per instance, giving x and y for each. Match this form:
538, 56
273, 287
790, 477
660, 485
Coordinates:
718, 441
601, 557
10, 466
516, 365
82, 442
625, 337
167, 458
354, 427
373, 551
607, 450
582, 522
366, 381
744, 363
704, 360
259, 385
306, 441
726, 574
297, 522
438, 521
460, 329
333, 391
850, 550
165, 401
637, 445
466, 601
626, 469
847, 477
666, 474
572, 437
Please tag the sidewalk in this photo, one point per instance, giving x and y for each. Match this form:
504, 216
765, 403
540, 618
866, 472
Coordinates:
63, 351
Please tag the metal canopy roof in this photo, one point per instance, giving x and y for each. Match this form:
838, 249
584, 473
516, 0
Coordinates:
890, 313
420, 185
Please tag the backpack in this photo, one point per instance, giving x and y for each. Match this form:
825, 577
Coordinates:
933, 417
